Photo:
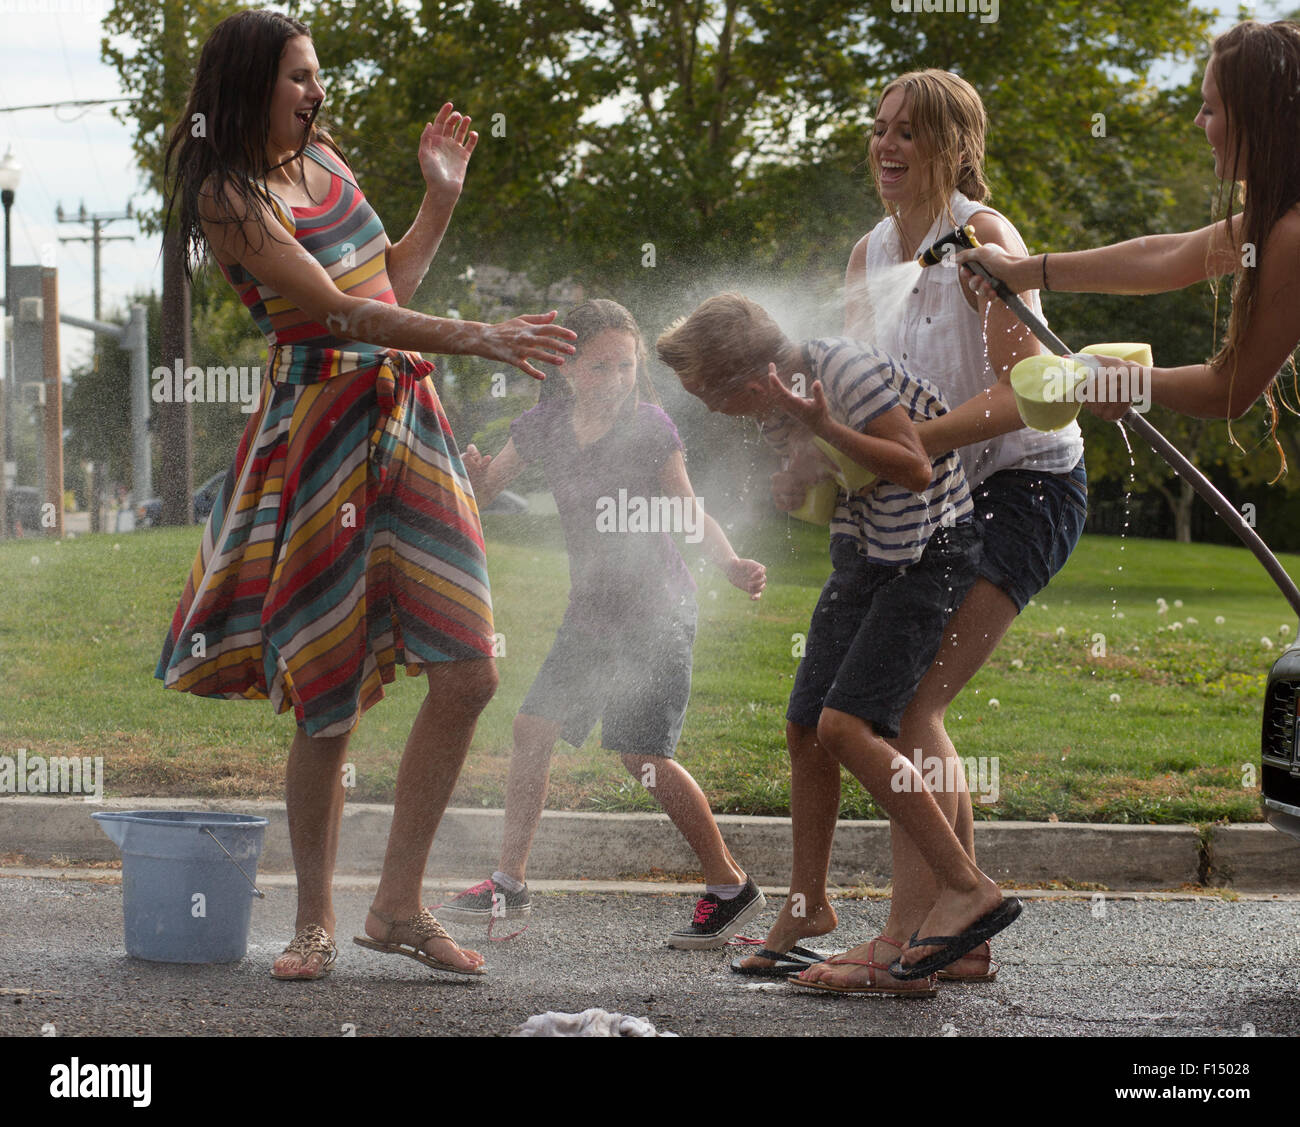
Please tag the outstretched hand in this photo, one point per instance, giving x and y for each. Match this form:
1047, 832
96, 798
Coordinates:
445, 148
748, 575
811, 412
530, 337
1100, 394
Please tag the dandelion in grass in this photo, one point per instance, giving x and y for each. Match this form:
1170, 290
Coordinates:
1266, 642
1060, 631
1219, 620
1178, 602
1284, 629
1191, 621
1175, 626
1114, 698
1016, 663
994, 703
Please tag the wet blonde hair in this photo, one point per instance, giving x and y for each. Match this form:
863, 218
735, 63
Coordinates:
725, 342
948, 127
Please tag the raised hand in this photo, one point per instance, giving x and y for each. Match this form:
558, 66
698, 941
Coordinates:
749, 575
530, 337
811, 412
445, 148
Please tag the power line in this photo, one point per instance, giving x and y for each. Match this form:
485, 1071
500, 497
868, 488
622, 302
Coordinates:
60, 105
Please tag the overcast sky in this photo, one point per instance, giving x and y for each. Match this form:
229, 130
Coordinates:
50, 52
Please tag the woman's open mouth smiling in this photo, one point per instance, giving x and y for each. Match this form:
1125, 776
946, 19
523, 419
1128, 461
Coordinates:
891, 171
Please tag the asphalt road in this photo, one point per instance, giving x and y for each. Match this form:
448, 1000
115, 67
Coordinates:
1147, 967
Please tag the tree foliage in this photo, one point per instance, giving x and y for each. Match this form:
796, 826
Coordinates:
651, 148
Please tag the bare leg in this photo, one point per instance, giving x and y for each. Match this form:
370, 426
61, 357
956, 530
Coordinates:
973, 633
964, 893
435, 751
683, 801
313, 798
814, 810
530, 776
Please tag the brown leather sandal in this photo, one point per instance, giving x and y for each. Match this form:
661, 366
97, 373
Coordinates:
310, 940
425, 928
873, 987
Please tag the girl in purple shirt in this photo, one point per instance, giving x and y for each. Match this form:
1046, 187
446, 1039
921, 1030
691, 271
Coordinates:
613, 461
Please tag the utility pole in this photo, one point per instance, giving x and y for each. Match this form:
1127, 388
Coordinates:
97, 221
175, 423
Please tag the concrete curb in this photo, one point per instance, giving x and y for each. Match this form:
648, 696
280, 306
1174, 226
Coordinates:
580, 846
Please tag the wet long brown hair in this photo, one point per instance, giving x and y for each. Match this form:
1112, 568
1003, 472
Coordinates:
589, 320
949, 124
1257, 71
219, 144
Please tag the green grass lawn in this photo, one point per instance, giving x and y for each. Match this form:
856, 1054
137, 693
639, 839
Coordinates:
82, 621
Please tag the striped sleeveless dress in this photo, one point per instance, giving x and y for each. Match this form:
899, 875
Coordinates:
345, 539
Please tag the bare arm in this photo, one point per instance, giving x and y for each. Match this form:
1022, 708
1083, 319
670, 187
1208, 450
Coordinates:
1228, 391
857, 305
266, 250
748, 575
445, 148
489, 475
1149, 264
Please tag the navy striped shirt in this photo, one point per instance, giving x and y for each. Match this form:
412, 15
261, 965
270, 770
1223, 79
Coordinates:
891, 524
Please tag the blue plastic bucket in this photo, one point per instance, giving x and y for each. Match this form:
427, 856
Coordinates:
188, 882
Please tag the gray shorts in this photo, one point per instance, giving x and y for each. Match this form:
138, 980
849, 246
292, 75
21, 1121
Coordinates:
635, 679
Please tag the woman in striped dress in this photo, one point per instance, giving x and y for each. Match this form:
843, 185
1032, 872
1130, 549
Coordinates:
346, 539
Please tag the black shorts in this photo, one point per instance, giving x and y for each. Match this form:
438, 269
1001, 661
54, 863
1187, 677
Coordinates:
877, 628
1030, 522
635, 679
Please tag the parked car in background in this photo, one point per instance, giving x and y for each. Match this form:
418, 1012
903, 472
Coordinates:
148, 514
1280, 777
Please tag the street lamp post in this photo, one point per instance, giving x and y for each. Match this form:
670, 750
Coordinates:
10, 173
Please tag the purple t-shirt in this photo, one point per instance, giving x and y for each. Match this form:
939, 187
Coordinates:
609, 494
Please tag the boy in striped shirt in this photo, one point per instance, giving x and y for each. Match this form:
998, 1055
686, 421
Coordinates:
905, 553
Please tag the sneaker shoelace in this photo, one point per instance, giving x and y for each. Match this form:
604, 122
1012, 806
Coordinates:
704, 908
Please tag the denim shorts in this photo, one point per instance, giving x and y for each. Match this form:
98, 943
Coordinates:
1030, 523
877, 628
635, 679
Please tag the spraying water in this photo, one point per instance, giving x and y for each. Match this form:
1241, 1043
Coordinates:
885, 292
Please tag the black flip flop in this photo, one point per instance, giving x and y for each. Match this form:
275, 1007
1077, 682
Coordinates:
953, 947
787, 962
